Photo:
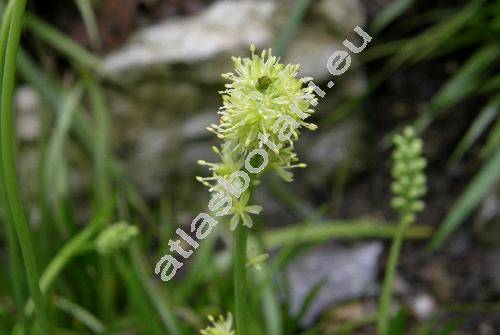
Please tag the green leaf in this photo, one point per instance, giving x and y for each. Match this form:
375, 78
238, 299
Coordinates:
492, 142
338, 229
398, 324
389, 14
80, 314
435, 37
309, 299
449, 327
461, 85
296, 14
87, 13
478, 127
62, 43
483, 181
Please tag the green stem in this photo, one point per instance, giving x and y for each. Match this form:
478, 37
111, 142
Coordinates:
16, 270
8, 162
386, 295
240, 280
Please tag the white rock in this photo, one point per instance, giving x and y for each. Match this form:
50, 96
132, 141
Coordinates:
342, 15
225, 27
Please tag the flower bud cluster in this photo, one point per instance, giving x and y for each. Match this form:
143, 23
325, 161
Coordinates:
115, 237
409, 184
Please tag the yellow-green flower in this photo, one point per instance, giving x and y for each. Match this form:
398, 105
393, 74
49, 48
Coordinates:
241, 211
260, 92
220, 326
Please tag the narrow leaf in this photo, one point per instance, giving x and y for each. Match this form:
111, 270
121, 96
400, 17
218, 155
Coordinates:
483, 181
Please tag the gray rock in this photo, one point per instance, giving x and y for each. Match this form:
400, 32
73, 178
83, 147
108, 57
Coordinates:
347, 273
341, 15
311, 48
224, 28
196, 126
152, 160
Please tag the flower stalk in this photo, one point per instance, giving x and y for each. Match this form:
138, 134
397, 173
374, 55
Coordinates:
240, 280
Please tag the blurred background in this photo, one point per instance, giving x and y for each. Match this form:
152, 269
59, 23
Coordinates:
113, 98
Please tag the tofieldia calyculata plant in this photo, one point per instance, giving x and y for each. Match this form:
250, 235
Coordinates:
408, 188
264, 109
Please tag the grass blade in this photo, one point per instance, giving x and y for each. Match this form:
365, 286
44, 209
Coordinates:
15, 260
154, 294
100, 152
80, 314
492, 142
483, 181
434, 38
267, 290
389, 14
297, 13
138, 300
461, 85
62, 43
70, 249
309, 299
478, 127
353, 229
55, 178
89, 20
8, 161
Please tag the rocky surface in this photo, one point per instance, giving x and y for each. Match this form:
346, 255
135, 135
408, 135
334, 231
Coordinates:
344, 273
226, 28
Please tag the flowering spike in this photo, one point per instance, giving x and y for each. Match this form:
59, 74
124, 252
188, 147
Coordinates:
408, 173
264, 108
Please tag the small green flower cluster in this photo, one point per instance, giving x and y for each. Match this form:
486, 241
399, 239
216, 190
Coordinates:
115, 237
409, 184
220, 327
